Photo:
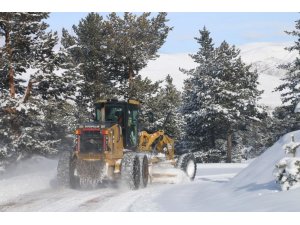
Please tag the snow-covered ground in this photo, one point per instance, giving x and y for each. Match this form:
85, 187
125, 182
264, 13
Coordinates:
32, 187
248, 186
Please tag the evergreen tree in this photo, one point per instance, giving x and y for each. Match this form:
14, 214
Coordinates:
285, 120
168, 102
110, 52
145, 91
290, 88
219, 97
20, 47
199, 94
237, 95
133, 41
29, 110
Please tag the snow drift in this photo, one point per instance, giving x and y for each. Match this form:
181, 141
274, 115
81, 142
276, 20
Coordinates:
253, 189
260, 172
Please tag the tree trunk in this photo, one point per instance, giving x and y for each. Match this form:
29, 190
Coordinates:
130, 76
229, 145
212, 138
130, 81
28, 91
11, 72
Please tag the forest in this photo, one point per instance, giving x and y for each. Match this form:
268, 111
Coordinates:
49, 81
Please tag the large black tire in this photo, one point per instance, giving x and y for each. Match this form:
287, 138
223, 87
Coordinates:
187, 163
65, 170
74, 180
130, 170
144, 170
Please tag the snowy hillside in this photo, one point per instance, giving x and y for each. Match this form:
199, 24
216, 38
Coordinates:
265, 57
31, 187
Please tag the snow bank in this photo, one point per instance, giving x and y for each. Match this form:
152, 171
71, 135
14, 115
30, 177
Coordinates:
260, 171
28, 176
216, 188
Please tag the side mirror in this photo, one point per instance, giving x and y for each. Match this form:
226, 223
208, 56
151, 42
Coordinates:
150, 117
92, 116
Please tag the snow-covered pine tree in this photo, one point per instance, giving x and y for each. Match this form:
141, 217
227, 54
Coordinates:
29, 114
158, 100
168, 101
219, 96
70, 55
17, 30
290, 89
237, 94
91, 53
145, 91
291, 94
112, 51
20, 51
133, 40
199, 95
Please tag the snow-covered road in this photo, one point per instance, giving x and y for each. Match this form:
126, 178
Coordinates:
246, 187
32, 187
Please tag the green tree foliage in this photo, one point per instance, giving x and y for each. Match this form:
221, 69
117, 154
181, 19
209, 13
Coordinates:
285, 120
112, 51
290, 88
33, 90
168, 101
220, 95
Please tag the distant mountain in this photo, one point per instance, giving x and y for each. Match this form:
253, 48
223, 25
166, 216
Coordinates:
264, 57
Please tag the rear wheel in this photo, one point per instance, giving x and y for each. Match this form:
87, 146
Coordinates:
187, 163
144, 170
130, 170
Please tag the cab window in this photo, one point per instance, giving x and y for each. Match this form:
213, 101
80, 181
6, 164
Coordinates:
133, 125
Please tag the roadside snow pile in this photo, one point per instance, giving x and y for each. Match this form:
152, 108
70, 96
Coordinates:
260, 172
27, 176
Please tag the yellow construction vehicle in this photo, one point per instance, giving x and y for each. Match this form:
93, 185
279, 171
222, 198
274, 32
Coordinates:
112, 148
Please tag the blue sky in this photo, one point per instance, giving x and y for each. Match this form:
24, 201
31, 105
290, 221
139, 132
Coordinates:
235, 28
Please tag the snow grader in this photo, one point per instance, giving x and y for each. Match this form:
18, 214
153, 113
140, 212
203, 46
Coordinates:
112, 149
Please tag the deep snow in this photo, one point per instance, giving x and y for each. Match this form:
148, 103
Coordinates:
249, 186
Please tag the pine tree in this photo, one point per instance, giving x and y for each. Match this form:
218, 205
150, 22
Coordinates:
199, 94
168, 102
285, 120
145, 91
32, 116
290, 88
133, 41
112, 51
219, 97
18, 30
238, 93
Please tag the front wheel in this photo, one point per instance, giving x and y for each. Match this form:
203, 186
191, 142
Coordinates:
144, 170
130, 170
187, 163
66, 169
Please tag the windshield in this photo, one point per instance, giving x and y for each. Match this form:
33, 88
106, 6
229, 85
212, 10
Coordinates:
114, 113
90, 141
